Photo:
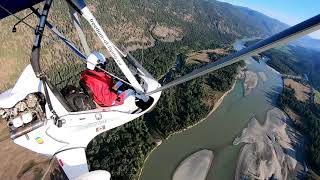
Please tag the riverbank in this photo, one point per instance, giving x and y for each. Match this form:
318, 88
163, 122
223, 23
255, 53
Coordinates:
217, 104
220, 129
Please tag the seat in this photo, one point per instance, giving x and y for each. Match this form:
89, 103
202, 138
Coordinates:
131, 104
86, 89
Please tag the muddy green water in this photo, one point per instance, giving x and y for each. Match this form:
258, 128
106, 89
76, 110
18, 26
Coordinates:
219, 130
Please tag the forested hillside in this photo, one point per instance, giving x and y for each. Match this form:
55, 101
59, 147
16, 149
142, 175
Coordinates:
121, 151
132, 24
311, 122
178, 108
184, 105
165, 29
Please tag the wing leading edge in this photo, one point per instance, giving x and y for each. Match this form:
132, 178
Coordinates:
294, 32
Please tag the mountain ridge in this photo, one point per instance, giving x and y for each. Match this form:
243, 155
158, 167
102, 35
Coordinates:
134, 25
305, 41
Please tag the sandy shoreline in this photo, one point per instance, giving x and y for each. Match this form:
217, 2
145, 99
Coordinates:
262, 76
250, 82
217, 104
268, 150
195, 166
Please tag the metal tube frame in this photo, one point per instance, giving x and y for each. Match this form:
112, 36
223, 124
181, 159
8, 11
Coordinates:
294, 32
81, 7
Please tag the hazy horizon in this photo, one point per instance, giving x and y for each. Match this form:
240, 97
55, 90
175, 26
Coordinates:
290, 12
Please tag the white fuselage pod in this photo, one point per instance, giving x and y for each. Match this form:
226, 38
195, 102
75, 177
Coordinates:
78, 128
95, 175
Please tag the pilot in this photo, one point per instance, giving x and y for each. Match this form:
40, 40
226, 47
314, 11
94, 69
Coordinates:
99, 85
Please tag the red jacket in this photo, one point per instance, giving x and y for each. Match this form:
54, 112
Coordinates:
101, 86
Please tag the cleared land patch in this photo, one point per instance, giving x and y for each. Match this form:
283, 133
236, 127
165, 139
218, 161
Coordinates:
203, 55
317, 97
302, 92
167, 34
20, 163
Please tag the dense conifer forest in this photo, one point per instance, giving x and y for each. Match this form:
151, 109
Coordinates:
178, 108
310, 113
192, 26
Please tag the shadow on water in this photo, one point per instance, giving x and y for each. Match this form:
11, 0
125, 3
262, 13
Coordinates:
291, 152
272, 95
299, 144
302, 174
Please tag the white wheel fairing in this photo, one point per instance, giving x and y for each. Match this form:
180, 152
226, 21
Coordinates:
73, 162
95, 175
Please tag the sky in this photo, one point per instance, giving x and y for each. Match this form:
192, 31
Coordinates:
290, 12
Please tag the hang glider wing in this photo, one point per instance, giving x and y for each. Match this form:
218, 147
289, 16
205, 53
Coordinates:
292, 33
8, 7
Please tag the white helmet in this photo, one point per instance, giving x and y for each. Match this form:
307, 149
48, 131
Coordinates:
94, 59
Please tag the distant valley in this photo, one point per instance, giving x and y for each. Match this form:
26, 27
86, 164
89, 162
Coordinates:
295, 60
133, 24
162, 29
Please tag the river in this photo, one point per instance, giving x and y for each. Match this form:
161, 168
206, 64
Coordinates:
219, 130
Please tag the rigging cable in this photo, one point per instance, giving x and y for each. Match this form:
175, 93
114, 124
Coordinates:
294, 32
83, 57
143, 45
22, 20
66, 41
5, 9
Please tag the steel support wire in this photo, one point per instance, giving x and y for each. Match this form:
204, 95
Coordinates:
283, 37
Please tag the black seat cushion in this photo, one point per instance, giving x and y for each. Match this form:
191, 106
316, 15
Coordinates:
86, 89
77, 100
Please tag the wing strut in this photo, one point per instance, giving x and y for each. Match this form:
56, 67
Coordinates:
283, 37
81, 7
72, 47
77, 25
